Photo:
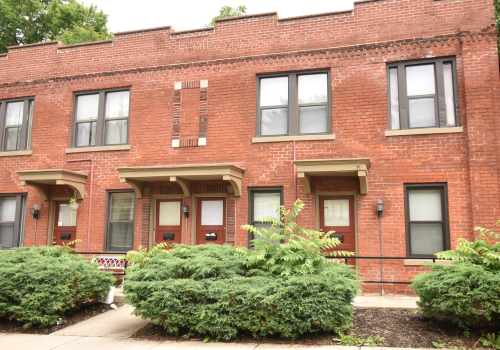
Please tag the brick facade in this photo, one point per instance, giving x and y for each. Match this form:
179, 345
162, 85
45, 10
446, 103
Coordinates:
201, 84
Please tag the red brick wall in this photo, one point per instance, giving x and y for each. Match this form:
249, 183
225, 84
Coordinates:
354, 45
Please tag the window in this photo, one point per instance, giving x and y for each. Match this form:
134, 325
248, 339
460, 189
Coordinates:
101, 118
12, 219
261, 205
293, 104
16, 119
426, 213
423, 94
120, 220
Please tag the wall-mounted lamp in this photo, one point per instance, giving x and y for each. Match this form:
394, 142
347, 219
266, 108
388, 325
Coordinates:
185, 210
380, 208
34, 210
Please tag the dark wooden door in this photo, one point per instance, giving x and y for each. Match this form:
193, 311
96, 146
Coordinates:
168, 222
211, 220
336, 213
65, 224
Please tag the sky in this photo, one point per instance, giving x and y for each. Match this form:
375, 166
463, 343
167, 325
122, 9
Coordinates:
125, 15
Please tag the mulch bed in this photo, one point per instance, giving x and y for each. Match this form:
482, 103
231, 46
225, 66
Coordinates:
400, 328
86, 311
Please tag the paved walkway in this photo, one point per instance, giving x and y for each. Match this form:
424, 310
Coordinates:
112, 330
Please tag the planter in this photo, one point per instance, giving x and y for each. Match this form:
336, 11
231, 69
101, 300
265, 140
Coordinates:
108, 299
74, 207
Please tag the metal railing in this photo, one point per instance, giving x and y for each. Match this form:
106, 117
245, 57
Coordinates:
105, 263
346, 258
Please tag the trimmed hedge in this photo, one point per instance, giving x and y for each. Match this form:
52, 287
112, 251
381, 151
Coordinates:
470, 294
207, 290
39, 285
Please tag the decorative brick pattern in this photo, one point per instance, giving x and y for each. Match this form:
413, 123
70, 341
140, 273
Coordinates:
202, 189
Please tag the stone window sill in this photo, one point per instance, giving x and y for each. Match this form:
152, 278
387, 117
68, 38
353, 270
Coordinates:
411, 262
98, 149
16, 153
429, 131
293, 138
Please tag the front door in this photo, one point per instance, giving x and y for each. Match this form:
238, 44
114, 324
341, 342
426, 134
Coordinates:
211, 220
336, 213
65, 224
168, 222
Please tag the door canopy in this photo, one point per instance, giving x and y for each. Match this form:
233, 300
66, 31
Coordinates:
333, 167
43, 179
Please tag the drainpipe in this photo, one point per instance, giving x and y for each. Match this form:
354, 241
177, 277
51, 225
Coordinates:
90, 195
295, 170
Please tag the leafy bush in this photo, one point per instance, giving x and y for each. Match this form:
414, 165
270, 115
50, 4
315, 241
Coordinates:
218, 291
480, 252
470, 294
39, 285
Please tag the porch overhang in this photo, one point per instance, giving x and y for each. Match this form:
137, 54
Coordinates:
333, 167
183, 175
43, 179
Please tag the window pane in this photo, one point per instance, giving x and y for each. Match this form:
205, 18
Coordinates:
274, 122
66, 216
85, 134
394, 90
313, 120
121, 235
336, 212
14, 115
7, 208
420, 80
274, 91
449, 94
6, 235
170, 213
267, 227
117, 104
313, 88
30, 124
212, 212
425, 205
422, 112
12, 139
122, 206
426, 238
262, 205
88, 107
116, 132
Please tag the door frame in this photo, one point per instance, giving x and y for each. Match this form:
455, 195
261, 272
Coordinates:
342, 193
195, 213
52, 217
152, 215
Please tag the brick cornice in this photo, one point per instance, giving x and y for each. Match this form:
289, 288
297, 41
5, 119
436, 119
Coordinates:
402, 45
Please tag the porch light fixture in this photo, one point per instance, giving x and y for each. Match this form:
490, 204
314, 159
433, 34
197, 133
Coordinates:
380, 208
34, 210
185, 210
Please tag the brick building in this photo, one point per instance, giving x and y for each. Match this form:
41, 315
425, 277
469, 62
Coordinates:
393, 100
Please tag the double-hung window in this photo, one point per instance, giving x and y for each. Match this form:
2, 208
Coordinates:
16, 119
293, 104
426, 213
12, 219
120, 221
261, 206
101, 118
423, 94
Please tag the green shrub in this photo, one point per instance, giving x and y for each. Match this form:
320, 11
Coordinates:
207, 290
39, 285
468, 293
217, 291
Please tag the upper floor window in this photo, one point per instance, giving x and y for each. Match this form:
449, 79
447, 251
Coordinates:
423, 94
101, 118
293, 104
16, 119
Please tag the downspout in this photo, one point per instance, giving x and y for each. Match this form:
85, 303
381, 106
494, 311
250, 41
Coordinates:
90, 195
295, 170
